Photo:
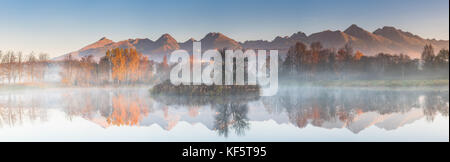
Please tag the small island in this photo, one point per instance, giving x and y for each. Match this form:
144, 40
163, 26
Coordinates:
168, 89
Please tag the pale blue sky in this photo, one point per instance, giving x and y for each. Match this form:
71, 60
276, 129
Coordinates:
61, 26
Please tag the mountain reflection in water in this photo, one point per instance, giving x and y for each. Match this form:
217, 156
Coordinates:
352, 109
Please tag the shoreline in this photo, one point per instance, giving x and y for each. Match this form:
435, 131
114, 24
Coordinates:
369, 83
359, 84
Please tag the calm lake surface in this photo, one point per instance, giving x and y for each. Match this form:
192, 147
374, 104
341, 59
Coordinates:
295, 114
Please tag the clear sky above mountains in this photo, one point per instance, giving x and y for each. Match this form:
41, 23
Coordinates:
57, 27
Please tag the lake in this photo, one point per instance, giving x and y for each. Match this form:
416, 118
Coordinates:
295, 114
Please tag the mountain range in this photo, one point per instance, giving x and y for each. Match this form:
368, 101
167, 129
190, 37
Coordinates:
387, 40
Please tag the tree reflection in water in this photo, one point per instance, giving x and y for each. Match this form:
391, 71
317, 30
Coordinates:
231, 111
234, 115
319, 107
117, 108
18, 109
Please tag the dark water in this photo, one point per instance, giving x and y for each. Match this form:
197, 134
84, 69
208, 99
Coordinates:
295, 114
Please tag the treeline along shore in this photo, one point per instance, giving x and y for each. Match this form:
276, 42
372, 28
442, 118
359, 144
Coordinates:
302, 63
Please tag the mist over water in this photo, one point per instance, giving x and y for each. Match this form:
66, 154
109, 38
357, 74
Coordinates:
296, 113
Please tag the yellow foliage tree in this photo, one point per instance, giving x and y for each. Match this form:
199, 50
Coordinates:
358, 55
119, 64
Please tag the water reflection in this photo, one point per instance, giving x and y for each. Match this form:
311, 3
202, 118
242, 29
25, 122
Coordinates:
230, 111
18, 109
107, 108
358, 109
352, 109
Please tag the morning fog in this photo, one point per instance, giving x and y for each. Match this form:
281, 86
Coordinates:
208, 68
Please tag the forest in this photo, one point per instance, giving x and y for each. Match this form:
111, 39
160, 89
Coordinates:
118, 66
302, 63
317, 63
17, 68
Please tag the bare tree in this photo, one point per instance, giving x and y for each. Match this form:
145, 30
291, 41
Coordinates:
20, 66
31, 67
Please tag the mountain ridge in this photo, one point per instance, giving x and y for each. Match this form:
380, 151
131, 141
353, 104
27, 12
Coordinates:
387, 39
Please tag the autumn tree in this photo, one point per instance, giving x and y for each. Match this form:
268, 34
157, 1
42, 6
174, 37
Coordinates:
125, 65
314, 56
358, 55
118, 60
133, 62
294, 58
